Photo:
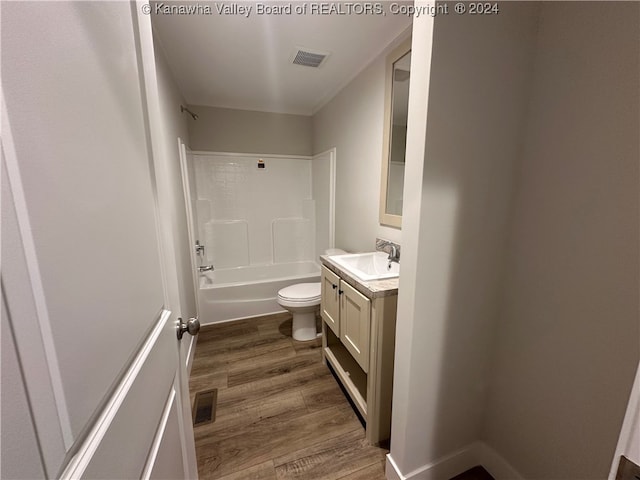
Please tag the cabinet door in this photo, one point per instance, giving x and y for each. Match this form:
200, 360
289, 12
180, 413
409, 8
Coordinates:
330, 305
355, 320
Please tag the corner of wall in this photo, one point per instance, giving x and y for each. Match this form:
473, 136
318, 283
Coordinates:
477, 453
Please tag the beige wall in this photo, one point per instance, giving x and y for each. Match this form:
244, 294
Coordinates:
352, 122
244, 131
463, 145
567, 344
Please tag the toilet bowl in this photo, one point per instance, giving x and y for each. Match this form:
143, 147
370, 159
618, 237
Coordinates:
303, 301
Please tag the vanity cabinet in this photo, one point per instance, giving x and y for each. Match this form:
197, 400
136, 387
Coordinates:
348, 313
358, 343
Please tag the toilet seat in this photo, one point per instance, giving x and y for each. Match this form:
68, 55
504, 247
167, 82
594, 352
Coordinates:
301, 294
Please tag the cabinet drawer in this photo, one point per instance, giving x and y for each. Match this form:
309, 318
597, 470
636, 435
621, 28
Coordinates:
330, 303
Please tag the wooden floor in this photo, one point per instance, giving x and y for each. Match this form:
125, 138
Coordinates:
280, 413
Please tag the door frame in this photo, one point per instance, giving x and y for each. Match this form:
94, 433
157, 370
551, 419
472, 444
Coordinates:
191, 221
153, 116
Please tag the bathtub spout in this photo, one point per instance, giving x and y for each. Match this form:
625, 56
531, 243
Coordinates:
205, 268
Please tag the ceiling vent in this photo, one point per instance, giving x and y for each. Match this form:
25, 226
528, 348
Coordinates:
308, 58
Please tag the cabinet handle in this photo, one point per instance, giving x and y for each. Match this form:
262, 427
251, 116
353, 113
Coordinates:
334, 286
340, 292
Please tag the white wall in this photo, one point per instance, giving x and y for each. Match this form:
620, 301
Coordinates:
171, 99
173, 125
252, 216
462, 149
352, 122
245, 131
322, 191
567, 345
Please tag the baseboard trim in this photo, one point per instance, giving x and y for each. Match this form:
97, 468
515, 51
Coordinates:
495, 464
443, 468
478, 453
391, 470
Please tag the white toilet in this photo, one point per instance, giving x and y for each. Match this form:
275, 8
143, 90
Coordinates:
303, 301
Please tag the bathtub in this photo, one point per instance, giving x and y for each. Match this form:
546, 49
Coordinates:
241, 292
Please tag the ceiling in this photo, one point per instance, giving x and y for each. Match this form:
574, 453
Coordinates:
245, 62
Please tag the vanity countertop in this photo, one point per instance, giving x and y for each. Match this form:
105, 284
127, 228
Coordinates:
370, 289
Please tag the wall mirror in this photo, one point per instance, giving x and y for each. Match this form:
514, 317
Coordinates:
398, 69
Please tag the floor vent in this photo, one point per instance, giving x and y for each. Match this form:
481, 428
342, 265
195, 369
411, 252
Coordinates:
204, 408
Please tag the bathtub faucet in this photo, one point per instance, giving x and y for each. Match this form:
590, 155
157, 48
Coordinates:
205, 268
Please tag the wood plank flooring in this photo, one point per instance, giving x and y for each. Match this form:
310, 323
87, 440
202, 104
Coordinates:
280, 413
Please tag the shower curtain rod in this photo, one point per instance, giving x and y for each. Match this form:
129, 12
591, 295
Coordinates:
185, 109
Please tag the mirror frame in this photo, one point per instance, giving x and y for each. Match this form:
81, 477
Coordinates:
389, 219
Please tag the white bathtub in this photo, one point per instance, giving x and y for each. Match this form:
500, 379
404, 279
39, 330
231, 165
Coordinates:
241, 292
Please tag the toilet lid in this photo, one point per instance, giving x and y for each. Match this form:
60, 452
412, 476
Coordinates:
301, 292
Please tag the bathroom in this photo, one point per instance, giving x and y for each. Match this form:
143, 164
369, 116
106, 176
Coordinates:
351, 123
517, 307
263, 188
262, 168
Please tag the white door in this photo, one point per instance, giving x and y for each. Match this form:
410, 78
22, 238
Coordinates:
89, 272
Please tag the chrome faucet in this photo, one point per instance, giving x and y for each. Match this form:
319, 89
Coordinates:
392, 248
200, 253
393, 254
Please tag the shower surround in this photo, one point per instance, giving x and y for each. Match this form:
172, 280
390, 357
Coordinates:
258, 226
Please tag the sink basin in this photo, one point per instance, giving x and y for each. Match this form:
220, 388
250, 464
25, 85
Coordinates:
368, 266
